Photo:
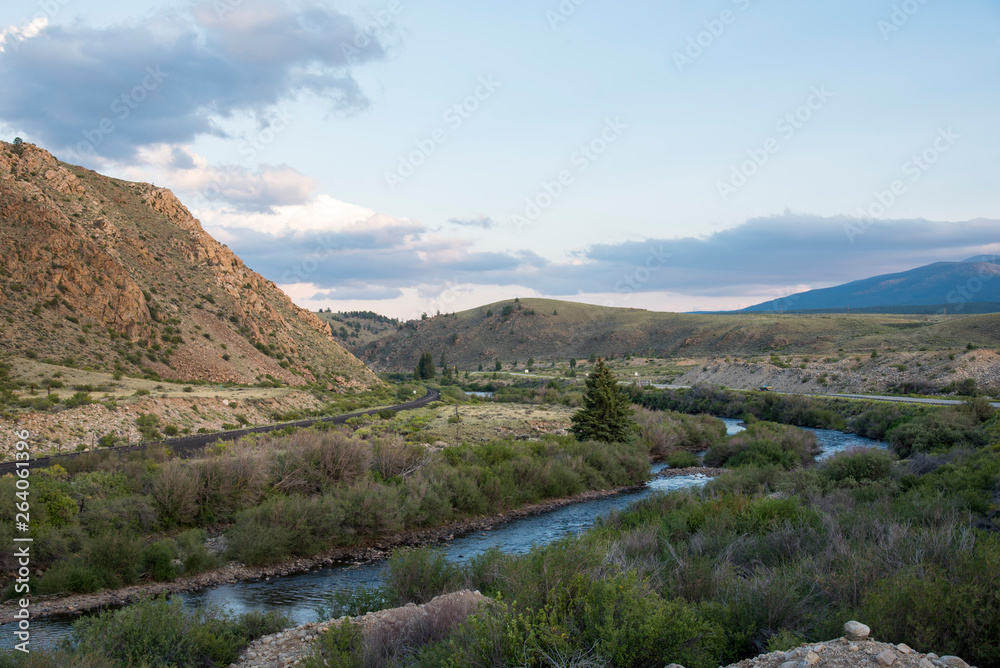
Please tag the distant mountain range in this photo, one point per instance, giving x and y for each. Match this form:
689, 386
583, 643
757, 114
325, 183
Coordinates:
955, 286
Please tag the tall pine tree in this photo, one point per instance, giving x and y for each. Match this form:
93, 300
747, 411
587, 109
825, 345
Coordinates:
607, 411
425, 367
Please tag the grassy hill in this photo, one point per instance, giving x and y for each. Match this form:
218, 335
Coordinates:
355, 329
555, 330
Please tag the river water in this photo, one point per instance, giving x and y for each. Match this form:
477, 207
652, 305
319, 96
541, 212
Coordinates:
298, 596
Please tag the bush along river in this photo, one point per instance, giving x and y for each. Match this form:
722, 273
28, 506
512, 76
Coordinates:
300, 595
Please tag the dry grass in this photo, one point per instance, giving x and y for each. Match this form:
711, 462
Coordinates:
481, 423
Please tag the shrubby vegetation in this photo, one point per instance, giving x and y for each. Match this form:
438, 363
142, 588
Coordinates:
765, 444
285, 496
776, 552
872, 419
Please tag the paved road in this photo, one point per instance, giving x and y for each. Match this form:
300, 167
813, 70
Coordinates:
905, 400
185, 445
871, 397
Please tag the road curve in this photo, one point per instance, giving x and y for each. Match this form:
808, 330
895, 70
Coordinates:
185, 445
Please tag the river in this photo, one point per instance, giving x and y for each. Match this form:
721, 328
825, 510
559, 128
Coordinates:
299, 595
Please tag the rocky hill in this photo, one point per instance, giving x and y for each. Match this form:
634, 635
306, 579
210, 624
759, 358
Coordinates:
554, 330
119, 276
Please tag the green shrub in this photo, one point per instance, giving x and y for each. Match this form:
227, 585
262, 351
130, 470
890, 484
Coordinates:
861, 465
907, 607
204, 636
115, 558
353, 602
67, 577
417, 576
256, 544
765, 444
156, 561
78, 399
681, 460
340, 647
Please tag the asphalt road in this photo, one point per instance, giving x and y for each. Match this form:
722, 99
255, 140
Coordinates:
185, 445
872, 397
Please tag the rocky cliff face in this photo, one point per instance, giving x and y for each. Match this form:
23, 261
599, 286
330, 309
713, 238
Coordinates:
117, 275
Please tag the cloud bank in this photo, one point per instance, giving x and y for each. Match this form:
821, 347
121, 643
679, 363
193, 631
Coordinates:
376, 256
111, 90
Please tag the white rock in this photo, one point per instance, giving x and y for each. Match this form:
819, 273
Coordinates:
789, 664
856, 631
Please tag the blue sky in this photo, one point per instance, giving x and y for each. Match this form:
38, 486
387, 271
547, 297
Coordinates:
668, 155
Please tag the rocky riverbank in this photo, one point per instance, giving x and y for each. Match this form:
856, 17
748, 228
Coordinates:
374, 551
431, 620
855, 648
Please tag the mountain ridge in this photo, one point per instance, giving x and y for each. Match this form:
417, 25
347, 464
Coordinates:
120, 276
953, 283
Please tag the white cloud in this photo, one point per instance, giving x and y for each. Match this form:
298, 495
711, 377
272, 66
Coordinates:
320, 214
21, 33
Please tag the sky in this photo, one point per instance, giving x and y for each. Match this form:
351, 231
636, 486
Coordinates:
409, 156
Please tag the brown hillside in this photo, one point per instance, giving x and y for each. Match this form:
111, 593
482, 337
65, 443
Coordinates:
108, 274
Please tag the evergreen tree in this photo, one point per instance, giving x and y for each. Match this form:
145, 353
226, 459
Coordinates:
497, 366
607, 411
425, 368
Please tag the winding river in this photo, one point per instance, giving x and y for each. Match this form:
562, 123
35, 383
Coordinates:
298, 596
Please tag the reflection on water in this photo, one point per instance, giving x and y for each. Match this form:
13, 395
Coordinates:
299, 595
